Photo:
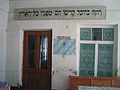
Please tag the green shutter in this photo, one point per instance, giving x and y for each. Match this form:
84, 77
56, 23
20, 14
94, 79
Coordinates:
108, 34
87, 56
85, 34
105, 58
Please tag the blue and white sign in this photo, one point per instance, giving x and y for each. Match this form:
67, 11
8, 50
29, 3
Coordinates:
64, 46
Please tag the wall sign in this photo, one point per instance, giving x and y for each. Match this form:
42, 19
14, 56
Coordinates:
63, 37
64, 46
61, 13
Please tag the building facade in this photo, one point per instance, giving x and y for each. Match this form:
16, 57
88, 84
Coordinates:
63, 65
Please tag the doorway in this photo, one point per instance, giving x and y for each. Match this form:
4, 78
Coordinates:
37, 60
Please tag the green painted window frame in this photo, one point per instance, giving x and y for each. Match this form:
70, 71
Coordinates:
103, 40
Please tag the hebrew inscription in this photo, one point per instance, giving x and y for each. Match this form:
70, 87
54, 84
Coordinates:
83, 12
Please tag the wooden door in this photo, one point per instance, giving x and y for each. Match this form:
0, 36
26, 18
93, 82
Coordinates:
37, 60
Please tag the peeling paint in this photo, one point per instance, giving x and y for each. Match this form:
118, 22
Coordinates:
53, 72
70, 70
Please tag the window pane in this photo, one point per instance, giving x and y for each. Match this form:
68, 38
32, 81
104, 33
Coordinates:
31, 50
105, 57
97, 34
43, 51
85, 34
108, 34
87, 56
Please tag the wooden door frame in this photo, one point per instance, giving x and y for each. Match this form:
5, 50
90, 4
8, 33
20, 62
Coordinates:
50, 52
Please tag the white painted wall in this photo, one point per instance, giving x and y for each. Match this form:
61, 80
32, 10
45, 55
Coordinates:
62, 66
4, 8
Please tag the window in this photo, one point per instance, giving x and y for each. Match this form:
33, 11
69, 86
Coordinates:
96, 52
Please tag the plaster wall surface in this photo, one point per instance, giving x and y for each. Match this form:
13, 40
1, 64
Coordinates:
4, 8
